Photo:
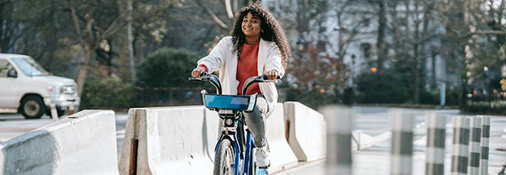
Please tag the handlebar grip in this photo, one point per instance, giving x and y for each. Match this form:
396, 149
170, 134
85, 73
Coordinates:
194, 78
204, 76
264, 76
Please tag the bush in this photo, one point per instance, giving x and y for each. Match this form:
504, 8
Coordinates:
483, 107
384, 87
313, 99
429, 97
109, 92
433, 97
167, 68
162, 79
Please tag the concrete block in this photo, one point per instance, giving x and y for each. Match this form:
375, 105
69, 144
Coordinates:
307, 131
282, 156
83, 143
171, 140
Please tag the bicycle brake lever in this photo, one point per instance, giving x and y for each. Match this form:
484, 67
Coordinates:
204, 77
194, 78
263, 78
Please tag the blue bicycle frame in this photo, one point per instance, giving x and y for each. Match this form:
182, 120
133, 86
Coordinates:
248, 156
230, 109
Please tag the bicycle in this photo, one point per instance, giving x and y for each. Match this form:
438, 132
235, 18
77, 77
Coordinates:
234, 153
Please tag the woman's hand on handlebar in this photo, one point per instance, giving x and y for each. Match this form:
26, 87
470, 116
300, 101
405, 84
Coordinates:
197, 72
272, 74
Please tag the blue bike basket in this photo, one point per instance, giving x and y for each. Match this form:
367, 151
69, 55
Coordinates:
233, 102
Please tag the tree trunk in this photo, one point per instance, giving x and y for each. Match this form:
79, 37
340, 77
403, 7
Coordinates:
130, 37
415, 77
122, 44
380, 44
83, 70
124, 63
434, 80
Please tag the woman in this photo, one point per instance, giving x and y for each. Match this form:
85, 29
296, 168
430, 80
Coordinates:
257, 46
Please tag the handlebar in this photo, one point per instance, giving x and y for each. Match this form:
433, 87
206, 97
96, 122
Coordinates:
215, 81
256, 79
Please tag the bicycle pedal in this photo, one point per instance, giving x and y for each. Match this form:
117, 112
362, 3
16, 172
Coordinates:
266, 167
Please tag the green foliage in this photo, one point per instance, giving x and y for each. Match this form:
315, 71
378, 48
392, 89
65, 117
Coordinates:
483, 107
109, 92
167, 68
429, 97
382, 87
433, 97
314, 98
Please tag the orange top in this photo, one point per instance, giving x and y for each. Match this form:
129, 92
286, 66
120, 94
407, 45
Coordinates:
247, 67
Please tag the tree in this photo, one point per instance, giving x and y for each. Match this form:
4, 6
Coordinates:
7, 26
413, 25
167, 68
466, 23
231, 6
92, 29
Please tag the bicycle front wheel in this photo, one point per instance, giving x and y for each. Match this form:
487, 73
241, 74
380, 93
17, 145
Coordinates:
224, 163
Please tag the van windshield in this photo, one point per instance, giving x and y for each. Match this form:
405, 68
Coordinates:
29, 67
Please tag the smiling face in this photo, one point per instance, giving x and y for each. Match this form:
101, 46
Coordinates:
251, 26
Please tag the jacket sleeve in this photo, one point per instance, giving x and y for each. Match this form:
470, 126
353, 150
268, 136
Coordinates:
274, 60
216, 58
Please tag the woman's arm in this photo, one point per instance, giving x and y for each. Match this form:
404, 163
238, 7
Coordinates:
274, 62
215, 59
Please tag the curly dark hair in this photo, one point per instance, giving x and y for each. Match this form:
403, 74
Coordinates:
272, 30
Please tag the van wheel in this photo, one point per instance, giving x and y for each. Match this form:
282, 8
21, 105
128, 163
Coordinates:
32, 107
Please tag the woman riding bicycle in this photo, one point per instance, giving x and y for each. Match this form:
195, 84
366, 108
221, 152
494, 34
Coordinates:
258, 45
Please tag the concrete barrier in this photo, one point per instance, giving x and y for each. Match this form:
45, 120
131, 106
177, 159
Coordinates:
83, 143
282, 156
172, 140
307, 131
360, 140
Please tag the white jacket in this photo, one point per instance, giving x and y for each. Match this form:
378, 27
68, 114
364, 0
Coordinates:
223, 59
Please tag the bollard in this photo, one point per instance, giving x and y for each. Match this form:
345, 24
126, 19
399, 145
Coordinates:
485, 134
460, 150
474, 146
54, 113
402, 143
338, 140
435, 149
52, 108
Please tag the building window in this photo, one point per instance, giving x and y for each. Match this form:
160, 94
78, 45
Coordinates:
366, 49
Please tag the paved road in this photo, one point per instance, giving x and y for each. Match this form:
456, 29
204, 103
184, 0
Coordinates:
13, 125
372, 121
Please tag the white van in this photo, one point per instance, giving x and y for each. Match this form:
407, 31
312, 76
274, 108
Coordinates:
26, 88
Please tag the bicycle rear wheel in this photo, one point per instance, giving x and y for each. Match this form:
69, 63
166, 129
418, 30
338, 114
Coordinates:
225, 158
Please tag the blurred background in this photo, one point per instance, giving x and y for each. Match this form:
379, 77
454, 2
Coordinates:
137, 53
